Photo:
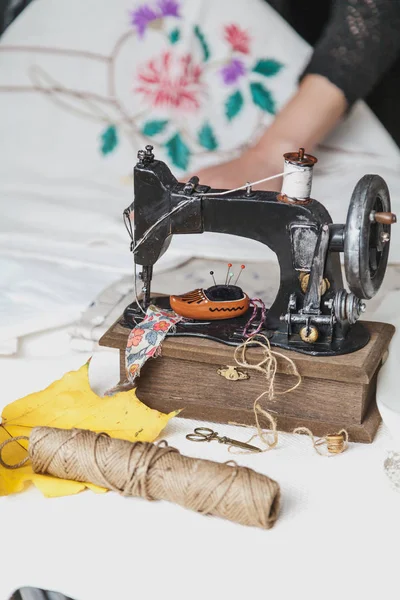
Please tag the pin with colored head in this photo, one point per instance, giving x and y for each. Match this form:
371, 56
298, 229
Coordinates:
242, 267
212, 275
227, 273
230, 278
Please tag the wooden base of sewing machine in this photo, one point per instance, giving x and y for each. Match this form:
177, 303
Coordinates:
336, 392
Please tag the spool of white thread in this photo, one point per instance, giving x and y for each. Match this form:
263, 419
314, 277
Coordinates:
298, 180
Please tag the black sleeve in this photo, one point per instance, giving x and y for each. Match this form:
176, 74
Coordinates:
9, 10
359, 44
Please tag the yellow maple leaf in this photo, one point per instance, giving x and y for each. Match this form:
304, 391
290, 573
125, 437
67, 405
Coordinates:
66, 403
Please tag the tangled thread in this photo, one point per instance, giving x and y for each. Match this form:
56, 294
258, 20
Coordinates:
268, 365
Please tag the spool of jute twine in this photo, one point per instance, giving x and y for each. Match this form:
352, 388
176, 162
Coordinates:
154, 472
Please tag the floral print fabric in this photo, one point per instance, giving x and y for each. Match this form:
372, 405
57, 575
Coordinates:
197, 79
145, 340
192, 83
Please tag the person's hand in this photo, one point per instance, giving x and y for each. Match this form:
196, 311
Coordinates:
252, 165
304, 122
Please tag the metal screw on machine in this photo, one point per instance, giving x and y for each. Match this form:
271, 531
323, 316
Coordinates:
385, 237
309, 334
149, 153
145, 156
140, 155
292, 301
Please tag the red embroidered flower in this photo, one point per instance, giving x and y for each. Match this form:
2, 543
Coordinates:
171, 81
161, 326
238, 38
135, 337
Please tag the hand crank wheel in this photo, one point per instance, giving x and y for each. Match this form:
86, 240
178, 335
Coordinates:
367, 236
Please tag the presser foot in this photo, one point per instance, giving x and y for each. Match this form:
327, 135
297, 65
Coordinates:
230, 332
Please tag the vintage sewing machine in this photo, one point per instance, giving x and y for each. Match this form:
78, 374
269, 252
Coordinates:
312, 314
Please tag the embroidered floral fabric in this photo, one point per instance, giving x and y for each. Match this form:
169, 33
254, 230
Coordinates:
177, 79
145, 340
192, 77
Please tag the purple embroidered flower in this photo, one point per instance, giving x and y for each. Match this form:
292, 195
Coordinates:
144, 14
141, 17
233, 71
169, 8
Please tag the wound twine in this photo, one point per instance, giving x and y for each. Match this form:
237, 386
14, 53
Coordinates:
155, 472
335, 443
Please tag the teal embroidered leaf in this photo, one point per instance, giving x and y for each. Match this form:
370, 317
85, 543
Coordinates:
207, 138
262, 97
174, 36
200, 36
109, 139
267, 67
178, 152
151, 128
234, 105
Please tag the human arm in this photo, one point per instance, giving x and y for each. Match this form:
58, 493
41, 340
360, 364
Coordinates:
359, 44
312, 112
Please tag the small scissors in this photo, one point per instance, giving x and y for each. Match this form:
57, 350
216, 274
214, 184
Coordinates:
204, 434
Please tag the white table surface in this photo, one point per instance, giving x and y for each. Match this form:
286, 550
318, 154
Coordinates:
337, 534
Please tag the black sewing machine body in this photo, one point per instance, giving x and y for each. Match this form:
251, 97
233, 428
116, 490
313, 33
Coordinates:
312, 313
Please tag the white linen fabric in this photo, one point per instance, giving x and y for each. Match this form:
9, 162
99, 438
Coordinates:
79, 96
